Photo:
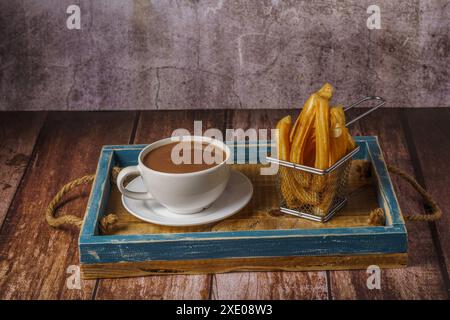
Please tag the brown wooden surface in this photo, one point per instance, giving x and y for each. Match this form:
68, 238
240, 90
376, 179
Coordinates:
34, 257
430, 132
18, 134
423, 278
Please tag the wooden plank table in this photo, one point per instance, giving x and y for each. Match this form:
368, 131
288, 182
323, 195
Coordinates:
39, 152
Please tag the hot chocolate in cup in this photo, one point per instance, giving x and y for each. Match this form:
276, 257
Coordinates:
185, 174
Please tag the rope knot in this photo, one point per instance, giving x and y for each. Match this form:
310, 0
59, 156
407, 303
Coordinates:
377, 218
108, 223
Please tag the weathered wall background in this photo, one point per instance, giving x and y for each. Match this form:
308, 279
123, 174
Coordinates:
143, 54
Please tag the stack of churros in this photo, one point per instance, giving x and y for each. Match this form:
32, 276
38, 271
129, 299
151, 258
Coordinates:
317, 139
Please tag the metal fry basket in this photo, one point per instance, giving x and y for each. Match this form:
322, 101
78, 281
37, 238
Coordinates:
311, 193
316, 194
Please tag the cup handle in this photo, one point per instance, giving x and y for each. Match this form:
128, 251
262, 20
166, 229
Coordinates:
123, 174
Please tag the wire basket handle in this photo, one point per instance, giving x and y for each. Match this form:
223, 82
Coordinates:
357, 103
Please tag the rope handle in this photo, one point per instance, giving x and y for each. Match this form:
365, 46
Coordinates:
433, 211
108, 222
65, 219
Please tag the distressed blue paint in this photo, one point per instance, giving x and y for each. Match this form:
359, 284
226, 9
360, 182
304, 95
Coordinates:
373, 231
385, 183
295, 242
236, 248
363, 150
100, 189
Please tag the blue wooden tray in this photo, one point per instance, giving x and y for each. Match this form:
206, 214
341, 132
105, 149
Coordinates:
198, 252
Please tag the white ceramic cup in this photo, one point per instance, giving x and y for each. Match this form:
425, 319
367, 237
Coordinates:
182, 193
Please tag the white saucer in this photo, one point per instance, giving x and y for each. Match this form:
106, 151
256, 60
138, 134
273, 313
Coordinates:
237, 194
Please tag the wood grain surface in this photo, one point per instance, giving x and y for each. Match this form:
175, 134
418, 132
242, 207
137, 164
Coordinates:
18, 134
34, 257
422, 279
429, 132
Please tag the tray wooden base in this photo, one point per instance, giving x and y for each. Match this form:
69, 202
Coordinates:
135, 269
